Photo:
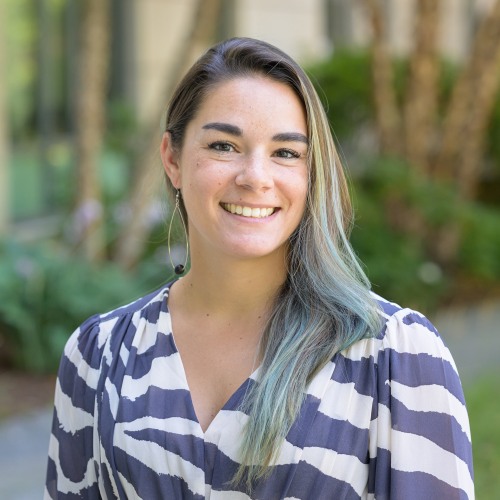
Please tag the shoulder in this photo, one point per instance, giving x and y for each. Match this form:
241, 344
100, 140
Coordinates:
403, 330
410, 352
407, 331
103, 334
407, 349
148, 307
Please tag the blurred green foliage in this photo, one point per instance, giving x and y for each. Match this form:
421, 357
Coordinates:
483, 404
395, 262
343, 83
480, 250
45, 293
399, 264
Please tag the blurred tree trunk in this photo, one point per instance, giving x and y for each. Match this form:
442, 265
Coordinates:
452, 151
470, 108
386, 111
4, 133
405, 133
466, 125
135, 231
90, 125
422, 90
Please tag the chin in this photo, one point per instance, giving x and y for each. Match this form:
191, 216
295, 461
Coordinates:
253, 251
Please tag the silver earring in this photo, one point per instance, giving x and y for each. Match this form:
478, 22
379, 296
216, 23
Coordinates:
179, 268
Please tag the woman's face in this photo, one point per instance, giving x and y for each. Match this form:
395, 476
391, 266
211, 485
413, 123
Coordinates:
243, 169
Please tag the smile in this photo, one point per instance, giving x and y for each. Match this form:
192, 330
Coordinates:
257, 213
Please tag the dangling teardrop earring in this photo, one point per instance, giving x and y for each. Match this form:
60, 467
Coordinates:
179, 268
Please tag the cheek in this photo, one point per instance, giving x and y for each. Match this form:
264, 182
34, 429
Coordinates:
191, 169
301, 197
202, 182
301, 187
207, 176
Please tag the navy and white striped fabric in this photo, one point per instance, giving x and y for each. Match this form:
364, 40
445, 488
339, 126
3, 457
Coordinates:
384, 419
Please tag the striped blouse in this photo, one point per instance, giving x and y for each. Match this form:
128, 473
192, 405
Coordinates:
384, 419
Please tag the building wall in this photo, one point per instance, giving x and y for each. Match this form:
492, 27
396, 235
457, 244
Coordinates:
159, 28
298, 27
456, 29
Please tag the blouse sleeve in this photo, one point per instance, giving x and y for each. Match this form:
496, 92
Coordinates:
420, 435
71, 468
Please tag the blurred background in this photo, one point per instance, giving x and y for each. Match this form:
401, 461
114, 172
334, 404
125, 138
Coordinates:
412, 89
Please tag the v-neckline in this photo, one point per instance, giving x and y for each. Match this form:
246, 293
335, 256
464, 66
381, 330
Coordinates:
231, 403
234, 399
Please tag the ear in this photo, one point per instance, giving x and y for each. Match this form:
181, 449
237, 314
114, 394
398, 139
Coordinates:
170, 160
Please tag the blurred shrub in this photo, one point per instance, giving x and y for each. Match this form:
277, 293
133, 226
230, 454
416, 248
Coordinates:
343, 83
396, 262
45, 294
399, 263
480, 250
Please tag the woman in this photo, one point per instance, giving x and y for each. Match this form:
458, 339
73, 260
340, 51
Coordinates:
269, 370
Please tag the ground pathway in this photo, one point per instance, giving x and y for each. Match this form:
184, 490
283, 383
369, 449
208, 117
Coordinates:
472, 334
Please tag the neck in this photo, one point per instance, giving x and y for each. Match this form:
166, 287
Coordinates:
236, 288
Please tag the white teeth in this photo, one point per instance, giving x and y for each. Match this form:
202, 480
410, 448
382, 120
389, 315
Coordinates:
248, 211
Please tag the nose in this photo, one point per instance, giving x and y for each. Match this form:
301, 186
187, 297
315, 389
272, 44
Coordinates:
255, 174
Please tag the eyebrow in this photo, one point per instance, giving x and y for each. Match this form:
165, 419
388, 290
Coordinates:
236, 131
290, 137
224, 127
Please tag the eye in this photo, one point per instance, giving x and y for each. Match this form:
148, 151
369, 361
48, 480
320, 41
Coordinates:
287, 153
221, 146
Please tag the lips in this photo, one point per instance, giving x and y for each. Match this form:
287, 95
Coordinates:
256, 213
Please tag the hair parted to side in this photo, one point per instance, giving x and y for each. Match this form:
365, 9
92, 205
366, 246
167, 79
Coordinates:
325, 304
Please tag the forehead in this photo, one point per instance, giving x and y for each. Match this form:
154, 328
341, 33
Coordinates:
255, 94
